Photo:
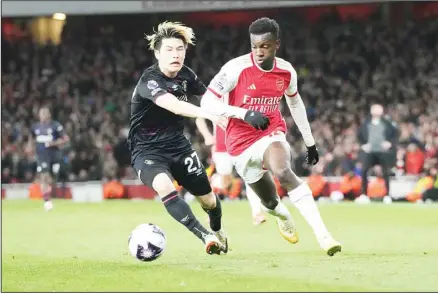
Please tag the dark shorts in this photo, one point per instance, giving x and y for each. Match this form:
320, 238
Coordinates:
49, 164
180, 162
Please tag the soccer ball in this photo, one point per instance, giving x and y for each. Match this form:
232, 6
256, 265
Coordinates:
147, 242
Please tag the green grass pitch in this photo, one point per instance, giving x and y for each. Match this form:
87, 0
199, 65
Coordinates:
83, 247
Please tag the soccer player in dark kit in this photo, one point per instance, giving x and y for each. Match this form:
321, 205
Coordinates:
160, 150
50, 137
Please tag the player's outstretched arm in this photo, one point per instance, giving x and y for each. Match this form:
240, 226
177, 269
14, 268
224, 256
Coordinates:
223, 82
154, 89
213, 105
172, 104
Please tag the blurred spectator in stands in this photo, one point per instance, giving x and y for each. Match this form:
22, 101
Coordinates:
26, 166
113, 189
6, 176
377, 137
414, 159
431, 194
122, 155
110, 170
317, 182
350, 186
423, 184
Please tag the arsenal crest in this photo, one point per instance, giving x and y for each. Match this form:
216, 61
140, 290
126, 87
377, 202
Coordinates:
280, 84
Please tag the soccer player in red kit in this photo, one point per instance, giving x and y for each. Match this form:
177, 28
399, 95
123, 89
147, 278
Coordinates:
248, 90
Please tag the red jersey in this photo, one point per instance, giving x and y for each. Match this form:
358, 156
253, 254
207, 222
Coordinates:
219, 135
242, 83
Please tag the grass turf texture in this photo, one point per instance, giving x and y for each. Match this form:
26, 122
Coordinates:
83, 247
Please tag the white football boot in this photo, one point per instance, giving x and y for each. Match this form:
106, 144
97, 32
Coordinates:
48, 205
213, 245
330, 245
287, 230
223, 239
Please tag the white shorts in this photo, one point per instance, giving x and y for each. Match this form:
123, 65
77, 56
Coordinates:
249, 164
223, 163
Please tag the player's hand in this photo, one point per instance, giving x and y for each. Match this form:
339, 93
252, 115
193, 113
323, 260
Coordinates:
366, 148
312, 156
49, 144
386, 145
256, 120
220, 121
209, 140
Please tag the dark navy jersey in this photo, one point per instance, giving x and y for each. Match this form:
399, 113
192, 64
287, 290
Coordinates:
45, 133
151, 124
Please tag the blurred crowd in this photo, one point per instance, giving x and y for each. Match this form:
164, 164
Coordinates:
88, 79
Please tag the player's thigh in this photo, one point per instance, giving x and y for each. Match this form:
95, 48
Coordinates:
277, 156
55, 167
277, 159
250, 163
43, 166
189, 172
44, 169
155, 173
223, 163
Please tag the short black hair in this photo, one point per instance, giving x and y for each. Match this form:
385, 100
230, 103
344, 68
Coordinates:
265, 25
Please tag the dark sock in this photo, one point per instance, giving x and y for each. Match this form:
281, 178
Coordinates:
215, 216
181, 212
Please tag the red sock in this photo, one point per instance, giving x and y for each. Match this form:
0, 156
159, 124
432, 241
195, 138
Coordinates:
47, 193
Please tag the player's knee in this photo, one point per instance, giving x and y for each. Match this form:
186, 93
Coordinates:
207, 201
226, 180
45, 178
284, 175
162, 184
